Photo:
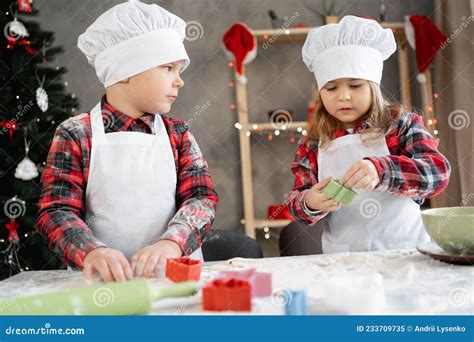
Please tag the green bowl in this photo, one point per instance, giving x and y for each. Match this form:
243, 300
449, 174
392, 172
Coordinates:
451, 228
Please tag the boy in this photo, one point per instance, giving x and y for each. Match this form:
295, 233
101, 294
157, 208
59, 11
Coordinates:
122, 183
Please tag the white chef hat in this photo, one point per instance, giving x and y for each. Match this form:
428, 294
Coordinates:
133, 37
353, 48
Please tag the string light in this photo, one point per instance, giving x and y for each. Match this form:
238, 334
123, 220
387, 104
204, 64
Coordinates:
231, 84
238, 125
254, 126
267, 236
299, 129
277, 132
292, 140
230, 64
247, 133
232, 106
270, 137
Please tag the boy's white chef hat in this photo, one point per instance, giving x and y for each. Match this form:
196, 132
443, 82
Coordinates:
133, 37
353, 48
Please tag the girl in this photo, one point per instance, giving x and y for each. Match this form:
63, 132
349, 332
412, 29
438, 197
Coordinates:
385, 154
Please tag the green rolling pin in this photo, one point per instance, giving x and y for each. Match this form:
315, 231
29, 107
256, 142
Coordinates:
133, 297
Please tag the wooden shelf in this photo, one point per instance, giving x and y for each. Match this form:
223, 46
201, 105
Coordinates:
262, 223
298, 34
268, 126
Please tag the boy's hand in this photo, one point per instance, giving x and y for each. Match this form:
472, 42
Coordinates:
362, 175
148, 260
315, 198
110, 263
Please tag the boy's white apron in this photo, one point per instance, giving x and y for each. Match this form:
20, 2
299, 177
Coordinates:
130, 195
374, 220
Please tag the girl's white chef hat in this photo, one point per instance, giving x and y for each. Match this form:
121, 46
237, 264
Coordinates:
133, 37
353, 48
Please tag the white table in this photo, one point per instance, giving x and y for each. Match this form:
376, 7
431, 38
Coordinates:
379, 283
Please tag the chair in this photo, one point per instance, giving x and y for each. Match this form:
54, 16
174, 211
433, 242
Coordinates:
224, 245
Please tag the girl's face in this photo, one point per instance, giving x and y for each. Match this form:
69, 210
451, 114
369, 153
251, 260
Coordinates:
347, 99
155, 90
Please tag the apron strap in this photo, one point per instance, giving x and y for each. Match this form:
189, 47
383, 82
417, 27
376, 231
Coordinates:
97, 122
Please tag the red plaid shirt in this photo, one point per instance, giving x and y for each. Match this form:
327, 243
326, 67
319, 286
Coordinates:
414, 168
61, 217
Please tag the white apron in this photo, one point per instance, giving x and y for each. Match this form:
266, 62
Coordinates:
374, 220
130, 195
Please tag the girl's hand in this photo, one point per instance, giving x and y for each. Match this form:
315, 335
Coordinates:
148, 260
315, 198
362, 175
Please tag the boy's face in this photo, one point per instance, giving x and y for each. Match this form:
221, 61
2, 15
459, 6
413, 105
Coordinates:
155, 90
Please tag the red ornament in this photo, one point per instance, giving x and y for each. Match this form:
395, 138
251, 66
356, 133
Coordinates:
12, 42
13, 228
240, 45
11, 127
425, 38
24, 5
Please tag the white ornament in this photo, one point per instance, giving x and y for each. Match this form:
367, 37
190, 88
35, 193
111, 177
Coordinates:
241, 79
42, 99
26, 170
16, 29
421, 77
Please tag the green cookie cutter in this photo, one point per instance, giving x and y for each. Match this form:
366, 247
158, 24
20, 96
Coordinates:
339, 193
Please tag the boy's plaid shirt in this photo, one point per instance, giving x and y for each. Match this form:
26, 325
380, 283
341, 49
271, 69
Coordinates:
61, 217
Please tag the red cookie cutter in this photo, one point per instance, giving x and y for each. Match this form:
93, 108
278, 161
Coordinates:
261, 282
183, 269
227, 294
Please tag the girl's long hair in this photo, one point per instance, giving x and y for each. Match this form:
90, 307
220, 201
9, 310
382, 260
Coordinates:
382, 119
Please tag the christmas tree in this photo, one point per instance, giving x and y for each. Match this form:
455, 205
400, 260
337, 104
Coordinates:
33, 101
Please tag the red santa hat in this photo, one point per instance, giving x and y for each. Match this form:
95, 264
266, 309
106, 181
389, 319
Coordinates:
426, 39
240, 46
